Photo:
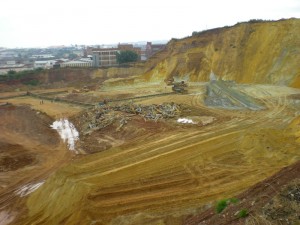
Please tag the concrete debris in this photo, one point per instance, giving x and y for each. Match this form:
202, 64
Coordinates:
105, 115
151, 112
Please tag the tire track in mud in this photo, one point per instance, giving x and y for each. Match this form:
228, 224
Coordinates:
149, 199
176, 171
161, 146
276, 109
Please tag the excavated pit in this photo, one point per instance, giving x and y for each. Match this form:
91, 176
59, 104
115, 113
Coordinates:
136, 166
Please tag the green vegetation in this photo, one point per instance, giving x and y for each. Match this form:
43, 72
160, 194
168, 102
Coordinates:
25, 76
256, 21
13, 75
233, 200
11, 72
127, 56
222, 204
243, 213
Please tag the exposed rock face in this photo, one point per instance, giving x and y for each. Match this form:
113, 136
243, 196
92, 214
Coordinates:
257, 52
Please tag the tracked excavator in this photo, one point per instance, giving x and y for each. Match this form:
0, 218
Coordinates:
178, 87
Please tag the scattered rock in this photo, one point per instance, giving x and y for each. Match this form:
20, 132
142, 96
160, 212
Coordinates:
285, 206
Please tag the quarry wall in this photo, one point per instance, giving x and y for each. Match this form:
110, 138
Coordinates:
253, 52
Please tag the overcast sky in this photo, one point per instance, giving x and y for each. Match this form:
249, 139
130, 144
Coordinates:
41, 23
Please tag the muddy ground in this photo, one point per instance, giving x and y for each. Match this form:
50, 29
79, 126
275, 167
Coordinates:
146, 172
29, 151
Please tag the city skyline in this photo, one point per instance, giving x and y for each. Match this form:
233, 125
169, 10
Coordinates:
34, 23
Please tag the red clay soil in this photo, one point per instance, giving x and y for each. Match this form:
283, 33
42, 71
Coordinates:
257, 201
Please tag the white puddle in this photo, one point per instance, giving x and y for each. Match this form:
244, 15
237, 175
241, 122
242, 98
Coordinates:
67, 132
29, 188
185, 120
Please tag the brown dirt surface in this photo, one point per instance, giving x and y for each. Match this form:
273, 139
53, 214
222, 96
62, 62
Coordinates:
55, 110
111, 136
80, 98
124, 125
295, 96
164, 176
29, 152
162, 173
14, 157
150, 172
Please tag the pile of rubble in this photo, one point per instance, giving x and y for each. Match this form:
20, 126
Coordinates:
151, 112
104, 115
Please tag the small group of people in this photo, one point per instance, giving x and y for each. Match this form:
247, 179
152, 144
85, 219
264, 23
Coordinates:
41, 102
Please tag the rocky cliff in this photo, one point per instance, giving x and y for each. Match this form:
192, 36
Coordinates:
251, 52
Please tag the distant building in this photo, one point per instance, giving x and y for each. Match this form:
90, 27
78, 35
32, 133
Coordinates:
108, 56
43, 56
77, 63
143, 53
47, 64
7, 54
86, 59
129, 47
87, 51
19, 65
153, 48
105, 57
11, 62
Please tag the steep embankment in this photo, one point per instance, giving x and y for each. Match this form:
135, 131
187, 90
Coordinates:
86, 75
253, 52
62, 77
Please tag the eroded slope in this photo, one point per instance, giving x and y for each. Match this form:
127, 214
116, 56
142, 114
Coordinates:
265, 52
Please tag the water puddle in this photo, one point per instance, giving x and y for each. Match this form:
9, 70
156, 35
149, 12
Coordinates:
67, 132
29, 188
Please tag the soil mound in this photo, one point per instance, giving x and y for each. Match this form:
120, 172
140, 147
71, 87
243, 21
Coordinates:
19, 122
